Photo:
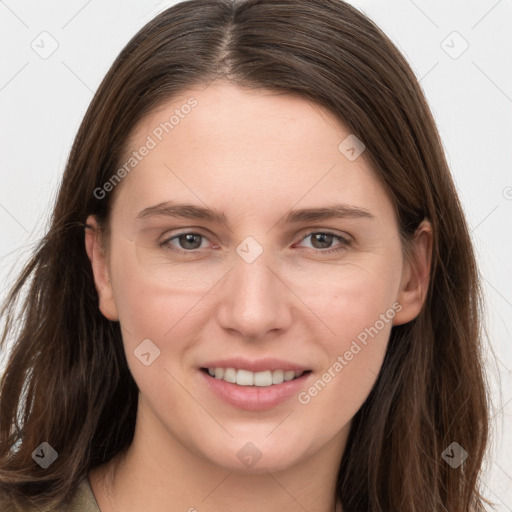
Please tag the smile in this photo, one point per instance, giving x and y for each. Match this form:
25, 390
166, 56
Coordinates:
254, 391
244, 377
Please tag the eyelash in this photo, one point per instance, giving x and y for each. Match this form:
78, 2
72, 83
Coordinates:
344, 242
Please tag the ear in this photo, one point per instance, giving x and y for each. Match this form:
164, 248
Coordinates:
100, 268
415, 275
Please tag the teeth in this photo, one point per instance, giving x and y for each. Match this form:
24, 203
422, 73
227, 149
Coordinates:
289, 375
263, 378
230, 375
247, 378
277, 376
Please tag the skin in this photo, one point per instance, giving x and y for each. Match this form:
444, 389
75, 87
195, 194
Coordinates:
253, 155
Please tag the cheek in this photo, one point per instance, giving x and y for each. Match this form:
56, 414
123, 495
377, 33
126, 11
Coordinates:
156, 330
332, 400
350, 297
353, 358
361, 323
357, 305
149, 311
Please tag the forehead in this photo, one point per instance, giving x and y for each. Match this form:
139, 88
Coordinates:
233, 148
226, 117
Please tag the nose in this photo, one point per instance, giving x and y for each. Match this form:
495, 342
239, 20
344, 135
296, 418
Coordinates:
254, 300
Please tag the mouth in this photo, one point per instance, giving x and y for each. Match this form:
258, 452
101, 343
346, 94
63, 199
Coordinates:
262, 379
254, 391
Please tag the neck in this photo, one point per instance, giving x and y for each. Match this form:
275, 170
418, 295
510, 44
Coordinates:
157, 472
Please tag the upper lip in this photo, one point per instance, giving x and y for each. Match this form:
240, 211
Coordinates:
255, 365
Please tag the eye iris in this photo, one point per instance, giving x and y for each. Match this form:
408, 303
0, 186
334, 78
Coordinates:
190, 238
323, 238
193, 240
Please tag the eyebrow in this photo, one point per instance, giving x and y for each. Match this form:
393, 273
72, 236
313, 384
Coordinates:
186, 211
190, 211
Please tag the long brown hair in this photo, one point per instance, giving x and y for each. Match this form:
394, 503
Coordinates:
67, 380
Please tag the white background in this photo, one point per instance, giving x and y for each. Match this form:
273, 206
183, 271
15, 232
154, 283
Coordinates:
43, 102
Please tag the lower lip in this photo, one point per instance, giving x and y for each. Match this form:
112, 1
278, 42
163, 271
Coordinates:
254, 398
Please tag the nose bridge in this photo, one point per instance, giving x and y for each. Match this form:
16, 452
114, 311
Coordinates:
255, 300
255, 279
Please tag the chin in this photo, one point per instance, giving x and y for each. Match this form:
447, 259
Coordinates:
257, 457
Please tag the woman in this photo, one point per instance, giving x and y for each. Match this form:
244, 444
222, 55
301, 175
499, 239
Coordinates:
258, 289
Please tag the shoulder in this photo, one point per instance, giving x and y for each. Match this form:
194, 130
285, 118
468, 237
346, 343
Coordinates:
82, 501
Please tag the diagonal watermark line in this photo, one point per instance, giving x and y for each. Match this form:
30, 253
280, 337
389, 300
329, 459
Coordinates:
496, 496
504, 405
16, 249
165, 165
334, 165
500, 410
509, 477
508, 370
301, 300
485, 218
199, 403
14, 76
485, 15
510, 304
123, 328
492, 81
424, 13
200, 299
428, 72
210, 82
157, 9
75, 15
495, 414
77, 76
286, 491
14, 218
280, 423
13, 13
217, 486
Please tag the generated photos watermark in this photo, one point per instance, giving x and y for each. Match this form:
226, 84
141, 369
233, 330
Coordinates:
304, 397
152, 140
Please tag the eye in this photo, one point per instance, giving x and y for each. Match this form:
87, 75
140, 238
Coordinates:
322, 241
189, 242
186, 242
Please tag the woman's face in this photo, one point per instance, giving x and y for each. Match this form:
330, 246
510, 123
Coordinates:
248, 233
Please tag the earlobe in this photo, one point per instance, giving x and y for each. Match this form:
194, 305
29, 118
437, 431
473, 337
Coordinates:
100, 269
416, 275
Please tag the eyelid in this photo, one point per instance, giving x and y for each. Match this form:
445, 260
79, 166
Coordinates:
344, 240
169, 234
327, 231
165, 241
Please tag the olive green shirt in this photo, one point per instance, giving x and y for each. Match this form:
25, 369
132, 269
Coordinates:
83, 501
